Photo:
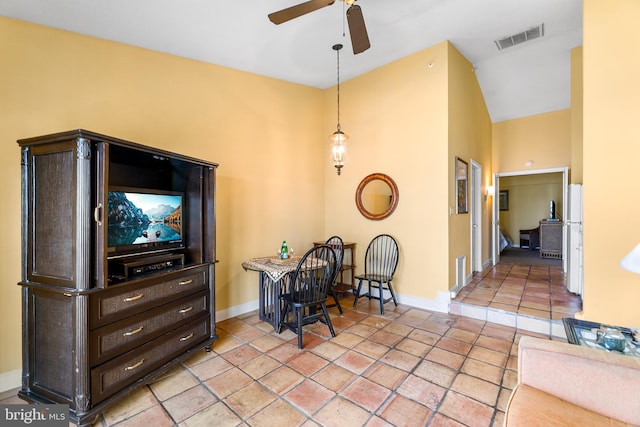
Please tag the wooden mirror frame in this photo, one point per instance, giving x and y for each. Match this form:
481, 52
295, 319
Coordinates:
394, 196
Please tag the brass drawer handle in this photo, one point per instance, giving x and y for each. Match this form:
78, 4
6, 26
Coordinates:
128, 334
185, 310
187, 338
137, 297
132, 367
185, 282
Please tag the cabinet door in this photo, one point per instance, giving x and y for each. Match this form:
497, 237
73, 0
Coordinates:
58, 195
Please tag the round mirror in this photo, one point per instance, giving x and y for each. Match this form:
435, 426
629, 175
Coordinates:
377, 196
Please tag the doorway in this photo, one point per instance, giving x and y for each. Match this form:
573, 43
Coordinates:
505, 203
510, 296
541, 192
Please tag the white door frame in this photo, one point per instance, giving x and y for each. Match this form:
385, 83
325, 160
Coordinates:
496, 208
495, 221
476, 216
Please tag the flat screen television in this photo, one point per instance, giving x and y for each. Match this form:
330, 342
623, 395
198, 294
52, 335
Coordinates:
141, 221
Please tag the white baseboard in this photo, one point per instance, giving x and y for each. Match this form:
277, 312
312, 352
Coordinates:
441, 304
10, 380
453, 291
237, 310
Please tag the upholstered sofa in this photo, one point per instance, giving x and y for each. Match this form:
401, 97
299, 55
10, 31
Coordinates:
561, 384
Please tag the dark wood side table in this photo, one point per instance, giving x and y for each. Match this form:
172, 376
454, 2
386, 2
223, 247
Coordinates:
551, 239
348, 265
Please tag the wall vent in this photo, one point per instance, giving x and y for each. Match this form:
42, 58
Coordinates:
524, 36
461, 268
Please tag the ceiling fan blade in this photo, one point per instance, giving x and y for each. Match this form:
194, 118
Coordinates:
292, 12
357, 29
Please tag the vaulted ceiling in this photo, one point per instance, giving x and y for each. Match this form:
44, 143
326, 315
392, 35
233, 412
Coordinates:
518, 81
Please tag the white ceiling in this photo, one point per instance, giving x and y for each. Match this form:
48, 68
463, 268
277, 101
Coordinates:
523, 80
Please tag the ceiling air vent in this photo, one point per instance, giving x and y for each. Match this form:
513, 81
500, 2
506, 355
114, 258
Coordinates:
524, 36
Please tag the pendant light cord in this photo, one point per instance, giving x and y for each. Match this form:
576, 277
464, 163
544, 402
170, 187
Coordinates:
337, 49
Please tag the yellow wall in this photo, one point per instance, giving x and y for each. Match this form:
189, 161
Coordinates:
469, 129
611, 150
398, 117
599, 138
529, 197
53, 81
544, 139
576, 116
409, 119
397, 121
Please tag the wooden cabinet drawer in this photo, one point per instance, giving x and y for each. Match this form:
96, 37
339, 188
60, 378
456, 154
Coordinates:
113, 376
133, 297
119, 337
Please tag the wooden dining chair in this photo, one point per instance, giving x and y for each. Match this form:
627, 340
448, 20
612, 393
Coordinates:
307, 291
335, 243
380, 262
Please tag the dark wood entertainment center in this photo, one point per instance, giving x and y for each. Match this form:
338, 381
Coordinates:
97, 322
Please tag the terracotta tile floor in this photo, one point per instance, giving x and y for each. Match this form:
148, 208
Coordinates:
409, 367
533, 290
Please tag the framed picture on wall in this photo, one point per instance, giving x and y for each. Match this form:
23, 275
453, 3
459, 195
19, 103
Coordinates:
504, 200
462, 179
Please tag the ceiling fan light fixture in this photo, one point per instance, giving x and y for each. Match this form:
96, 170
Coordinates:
355, 19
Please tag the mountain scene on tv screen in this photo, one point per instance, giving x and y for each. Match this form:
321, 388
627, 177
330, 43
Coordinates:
136, 218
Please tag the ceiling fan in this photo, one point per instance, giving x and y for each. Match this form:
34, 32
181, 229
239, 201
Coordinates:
355, 19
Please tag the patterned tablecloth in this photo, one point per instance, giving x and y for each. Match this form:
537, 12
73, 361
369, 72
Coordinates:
274, 267
274, 278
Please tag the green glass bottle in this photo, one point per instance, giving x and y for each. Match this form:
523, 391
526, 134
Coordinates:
284, 251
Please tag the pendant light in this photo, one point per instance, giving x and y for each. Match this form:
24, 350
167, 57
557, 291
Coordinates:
338, 138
